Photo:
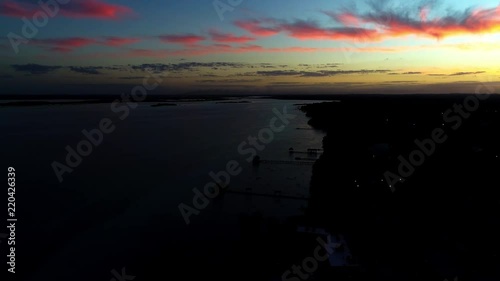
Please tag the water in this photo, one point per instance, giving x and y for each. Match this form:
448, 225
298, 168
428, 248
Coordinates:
120, 205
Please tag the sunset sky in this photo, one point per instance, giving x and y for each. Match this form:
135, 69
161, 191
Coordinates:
319, 46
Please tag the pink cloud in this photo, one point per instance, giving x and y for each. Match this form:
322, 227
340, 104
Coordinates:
424, 13
348, 19
119, 41
393, 24
380, 25
97, 9
65, 45
308, 30
13, 9
255, 27
187, 39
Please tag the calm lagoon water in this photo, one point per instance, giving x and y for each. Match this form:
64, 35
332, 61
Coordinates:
121, 203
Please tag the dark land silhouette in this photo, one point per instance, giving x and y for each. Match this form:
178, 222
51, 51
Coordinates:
443, 220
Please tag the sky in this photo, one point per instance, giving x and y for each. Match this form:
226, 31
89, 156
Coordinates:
280, 46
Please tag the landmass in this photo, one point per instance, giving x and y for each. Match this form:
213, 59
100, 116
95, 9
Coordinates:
412, 183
